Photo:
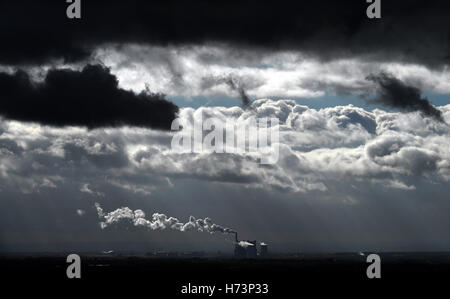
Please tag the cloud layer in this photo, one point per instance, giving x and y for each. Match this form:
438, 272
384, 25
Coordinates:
319, 151
325, 29
191, 71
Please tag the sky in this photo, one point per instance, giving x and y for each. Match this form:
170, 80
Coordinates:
87, 107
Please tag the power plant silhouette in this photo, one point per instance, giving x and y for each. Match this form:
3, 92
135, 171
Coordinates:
248, 248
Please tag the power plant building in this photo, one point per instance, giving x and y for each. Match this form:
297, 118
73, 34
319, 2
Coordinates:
248, 249
264, 250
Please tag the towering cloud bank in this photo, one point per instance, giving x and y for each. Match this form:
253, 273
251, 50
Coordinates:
158, 221
319, 151
318, 148
90, 97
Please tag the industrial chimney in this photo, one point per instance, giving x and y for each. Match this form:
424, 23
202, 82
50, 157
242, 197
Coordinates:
264, 250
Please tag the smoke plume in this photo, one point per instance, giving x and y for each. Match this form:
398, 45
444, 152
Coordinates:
394, 93
158, 221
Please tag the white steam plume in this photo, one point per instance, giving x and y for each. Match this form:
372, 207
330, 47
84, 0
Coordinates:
245, 244
158, 221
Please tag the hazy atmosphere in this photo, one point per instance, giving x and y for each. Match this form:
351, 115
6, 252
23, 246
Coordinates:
87, 107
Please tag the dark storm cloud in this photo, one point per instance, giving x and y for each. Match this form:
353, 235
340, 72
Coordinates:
415, 30
394, 93
90, 97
